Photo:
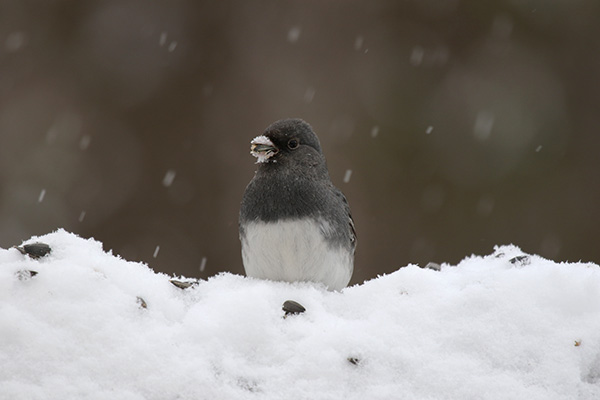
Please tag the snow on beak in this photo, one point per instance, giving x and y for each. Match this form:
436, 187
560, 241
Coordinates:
262, 148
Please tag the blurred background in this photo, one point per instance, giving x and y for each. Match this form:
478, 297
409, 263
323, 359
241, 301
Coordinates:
451, 125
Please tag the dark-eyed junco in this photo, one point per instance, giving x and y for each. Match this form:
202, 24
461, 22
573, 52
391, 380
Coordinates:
294, 224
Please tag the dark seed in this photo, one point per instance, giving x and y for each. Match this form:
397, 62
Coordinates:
141, 302
290, 307
248, 385
34, 250
354, 360
183, 284
25, 274
520, 260
433, 266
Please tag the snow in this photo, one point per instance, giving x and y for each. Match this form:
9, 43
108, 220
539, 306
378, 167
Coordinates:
309, 94
169, 178
15, 41
85, 141
416, 56
375, 131
484, 122
294, 34
358, 42
347, 175
261, 154
502, 326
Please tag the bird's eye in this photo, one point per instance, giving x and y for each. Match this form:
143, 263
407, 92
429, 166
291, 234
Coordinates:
293, 143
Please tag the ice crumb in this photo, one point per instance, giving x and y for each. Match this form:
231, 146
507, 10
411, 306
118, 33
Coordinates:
262, 156
293, 34
261, 139
169, 178
347, 175
156, 250
42, 195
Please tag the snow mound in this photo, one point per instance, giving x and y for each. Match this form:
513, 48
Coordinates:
90, 325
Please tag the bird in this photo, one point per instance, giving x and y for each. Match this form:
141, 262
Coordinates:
294, 224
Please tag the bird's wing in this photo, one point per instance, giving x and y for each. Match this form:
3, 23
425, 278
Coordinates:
339, 194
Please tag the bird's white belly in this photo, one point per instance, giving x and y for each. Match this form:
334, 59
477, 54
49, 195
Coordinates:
295, 251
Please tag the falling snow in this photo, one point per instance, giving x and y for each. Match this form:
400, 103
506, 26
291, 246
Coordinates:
309, 94
42, 195
169, 178
85, 141
15, 41
347, 175
358, 42
416, 56
51, 135
294, 34
374, 131
156, 250
484, 122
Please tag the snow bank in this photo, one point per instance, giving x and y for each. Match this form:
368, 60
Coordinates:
494, 327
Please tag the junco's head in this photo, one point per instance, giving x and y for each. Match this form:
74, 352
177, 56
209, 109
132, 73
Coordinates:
288, 140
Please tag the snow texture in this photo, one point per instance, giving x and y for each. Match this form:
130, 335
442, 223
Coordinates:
504, 326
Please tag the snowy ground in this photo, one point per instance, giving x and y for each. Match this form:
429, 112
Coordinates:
492, 327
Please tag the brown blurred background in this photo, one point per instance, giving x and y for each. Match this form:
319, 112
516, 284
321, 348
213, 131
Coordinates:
465, 124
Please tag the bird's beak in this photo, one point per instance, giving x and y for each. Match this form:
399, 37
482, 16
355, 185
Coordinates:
262, 148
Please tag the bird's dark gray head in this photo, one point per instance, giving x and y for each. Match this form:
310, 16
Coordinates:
287, 140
